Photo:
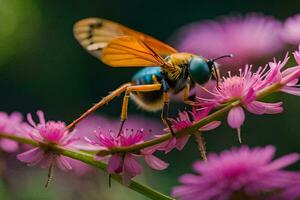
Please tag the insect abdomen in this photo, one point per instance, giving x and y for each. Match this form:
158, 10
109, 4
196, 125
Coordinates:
150, 101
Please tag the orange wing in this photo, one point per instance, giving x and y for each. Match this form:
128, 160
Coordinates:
117, 45
127, 51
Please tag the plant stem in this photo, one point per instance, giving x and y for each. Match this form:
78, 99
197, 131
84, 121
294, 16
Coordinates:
190, 130
90, 159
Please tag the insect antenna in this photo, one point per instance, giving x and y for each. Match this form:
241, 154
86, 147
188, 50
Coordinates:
215, 68
225, 56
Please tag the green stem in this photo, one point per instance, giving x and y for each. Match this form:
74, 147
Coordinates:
190, 130
90, 159
140, 188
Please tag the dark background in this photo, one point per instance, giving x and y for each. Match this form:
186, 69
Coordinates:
43, 67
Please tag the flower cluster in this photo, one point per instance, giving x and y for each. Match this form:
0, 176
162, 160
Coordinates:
126, 163
48, 133
246, 86
186, 119
239, 173
245, 173
10, 124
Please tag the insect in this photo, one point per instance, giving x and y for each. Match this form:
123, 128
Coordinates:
165, 69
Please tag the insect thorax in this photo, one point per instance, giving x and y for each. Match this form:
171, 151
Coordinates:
178, 63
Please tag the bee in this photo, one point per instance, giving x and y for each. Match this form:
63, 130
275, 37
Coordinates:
164, 70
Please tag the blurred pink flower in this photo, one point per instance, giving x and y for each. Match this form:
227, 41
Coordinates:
10, 124
246, 172
249, 38
126, 163
51, 133
79, 167
291, 30
246, 85
186, 119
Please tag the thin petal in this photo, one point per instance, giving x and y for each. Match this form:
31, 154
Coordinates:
32, 156
210, 126
181, 142
30, 120
131, 168
291, 90
290, 77
236, 117
156, 163
256, 107
41, 116
63, 164
114, 164
169, 145
284, 161
297, 56
131, 165
272, 108
47, 160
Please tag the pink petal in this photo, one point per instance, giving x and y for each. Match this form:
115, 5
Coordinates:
290, 77
114, 164
297, 56
210, 126
284, 161
236, 117
41, 116
250, 96
47, 160
289, 71
256, 107
30, 120
63, 164
32, 156
272, 108
8, 145
291, 90
155, 163
131, 168
169, 145
131, 165
16, 116
181, 142
149, 150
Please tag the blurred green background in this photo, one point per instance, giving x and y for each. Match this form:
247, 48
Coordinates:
43, 67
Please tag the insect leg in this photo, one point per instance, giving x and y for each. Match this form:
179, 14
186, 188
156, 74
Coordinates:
165, 110
186, 95
134, 88
102, 102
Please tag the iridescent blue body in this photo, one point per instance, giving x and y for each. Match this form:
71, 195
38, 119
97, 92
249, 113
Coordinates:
151, 101
189, 69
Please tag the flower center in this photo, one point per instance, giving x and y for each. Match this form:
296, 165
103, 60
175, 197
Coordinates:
52, 131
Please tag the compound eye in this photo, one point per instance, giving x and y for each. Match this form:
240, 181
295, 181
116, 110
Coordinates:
199, 70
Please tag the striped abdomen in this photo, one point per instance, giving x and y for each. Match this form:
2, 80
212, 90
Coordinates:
150, 101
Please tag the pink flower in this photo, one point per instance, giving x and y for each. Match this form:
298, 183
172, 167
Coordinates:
50, 133
291, 30
86, 127
246, 85
249, 38
246, 172
78, 167
186, 119
126, 163
10, 124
